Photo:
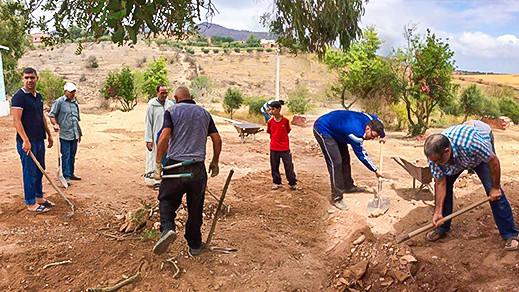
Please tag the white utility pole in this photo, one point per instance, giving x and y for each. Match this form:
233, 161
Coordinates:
4, 104
277, 74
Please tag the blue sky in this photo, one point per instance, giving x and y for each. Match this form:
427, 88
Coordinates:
484, 34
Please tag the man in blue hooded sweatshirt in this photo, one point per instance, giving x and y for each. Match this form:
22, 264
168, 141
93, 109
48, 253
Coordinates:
334, 131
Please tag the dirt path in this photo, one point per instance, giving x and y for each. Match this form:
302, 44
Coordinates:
286, 240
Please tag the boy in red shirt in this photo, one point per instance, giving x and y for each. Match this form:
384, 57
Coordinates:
278, 127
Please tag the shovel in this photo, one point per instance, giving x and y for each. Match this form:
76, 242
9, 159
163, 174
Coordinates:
430, 226
54, 186
379, 205
59, 172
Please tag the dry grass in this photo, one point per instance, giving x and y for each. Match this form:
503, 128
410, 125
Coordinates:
511, 80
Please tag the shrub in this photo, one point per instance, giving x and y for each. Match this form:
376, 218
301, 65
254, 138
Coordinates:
206, 51
226, 51
490, 108
255, 104
50, 86
202, 88
153, 76
269, 50
120, 86
216, 51
509, 108
92, 62
237, 50
190, 50
471, 101
298, 102
232, 100
259, 50
249, 50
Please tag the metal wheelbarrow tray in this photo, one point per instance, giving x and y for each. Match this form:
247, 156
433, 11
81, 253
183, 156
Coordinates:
419, 173
247, 129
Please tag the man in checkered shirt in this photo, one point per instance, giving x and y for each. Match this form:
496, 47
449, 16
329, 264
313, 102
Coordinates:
463, 147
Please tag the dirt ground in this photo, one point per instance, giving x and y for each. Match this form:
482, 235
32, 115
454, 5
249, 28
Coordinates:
285, 240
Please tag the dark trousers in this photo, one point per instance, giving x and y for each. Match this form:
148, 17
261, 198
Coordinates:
170, 196
338, 162
500, 209
286, 156
68, 149
32, 176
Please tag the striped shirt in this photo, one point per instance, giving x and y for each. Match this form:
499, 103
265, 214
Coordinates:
470, 148
266, 105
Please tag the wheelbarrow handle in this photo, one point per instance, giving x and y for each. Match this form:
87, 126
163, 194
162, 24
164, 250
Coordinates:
430, 226
181, 175
190, 161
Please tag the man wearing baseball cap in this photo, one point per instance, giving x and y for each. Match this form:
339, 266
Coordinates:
64, 116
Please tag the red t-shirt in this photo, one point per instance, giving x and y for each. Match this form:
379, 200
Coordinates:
279, 134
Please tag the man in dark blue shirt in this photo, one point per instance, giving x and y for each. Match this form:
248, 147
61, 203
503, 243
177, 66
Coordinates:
31, 126
334, 131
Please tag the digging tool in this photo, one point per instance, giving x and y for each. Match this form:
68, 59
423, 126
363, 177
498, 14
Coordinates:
379, 205
59, 172
54, 186
215, 219
430, 226
181, 175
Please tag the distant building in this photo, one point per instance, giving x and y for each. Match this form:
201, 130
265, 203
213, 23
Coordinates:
268, 44
37, 37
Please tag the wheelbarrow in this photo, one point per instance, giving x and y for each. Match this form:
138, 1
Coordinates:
421, 174
247, 129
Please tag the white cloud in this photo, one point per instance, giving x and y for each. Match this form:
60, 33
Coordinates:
483, 34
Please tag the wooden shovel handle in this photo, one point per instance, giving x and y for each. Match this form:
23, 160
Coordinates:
430, 226
50, 181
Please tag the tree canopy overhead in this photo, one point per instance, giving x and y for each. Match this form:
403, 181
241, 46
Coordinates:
123, 19
313, 25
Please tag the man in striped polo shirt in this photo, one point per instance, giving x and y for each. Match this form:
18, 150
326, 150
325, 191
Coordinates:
463, 147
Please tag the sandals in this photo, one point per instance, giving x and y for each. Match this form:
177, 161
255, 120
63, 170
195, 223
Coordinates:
276, 186
296, 188
48, 204
435, 235
40, 210
509, 245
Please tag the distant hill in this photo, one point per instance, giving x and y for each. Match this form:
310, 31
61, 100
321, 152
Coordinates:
211, 29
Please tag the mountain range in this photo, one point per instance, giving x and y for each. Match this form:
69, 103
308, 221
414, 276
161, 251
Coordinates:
211, 29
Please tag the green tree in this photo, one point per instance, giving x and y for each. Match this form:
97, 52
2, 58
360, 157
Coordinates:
124, 19
50, 86
202, 87
490, 108
153, 76
313, 26
361, 72
255, 104
252, 41
424, 78
13, 23
232, 100
120, 86
509, 108
298, 102
471, 101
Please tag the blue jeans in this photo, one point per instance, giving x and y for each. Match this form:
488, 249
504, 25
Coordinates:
68, 156
32, 187
500, 209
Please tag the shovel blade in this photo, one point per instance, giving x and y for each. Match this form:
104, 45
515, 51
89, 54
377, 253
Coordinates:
60, 176
380, 203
